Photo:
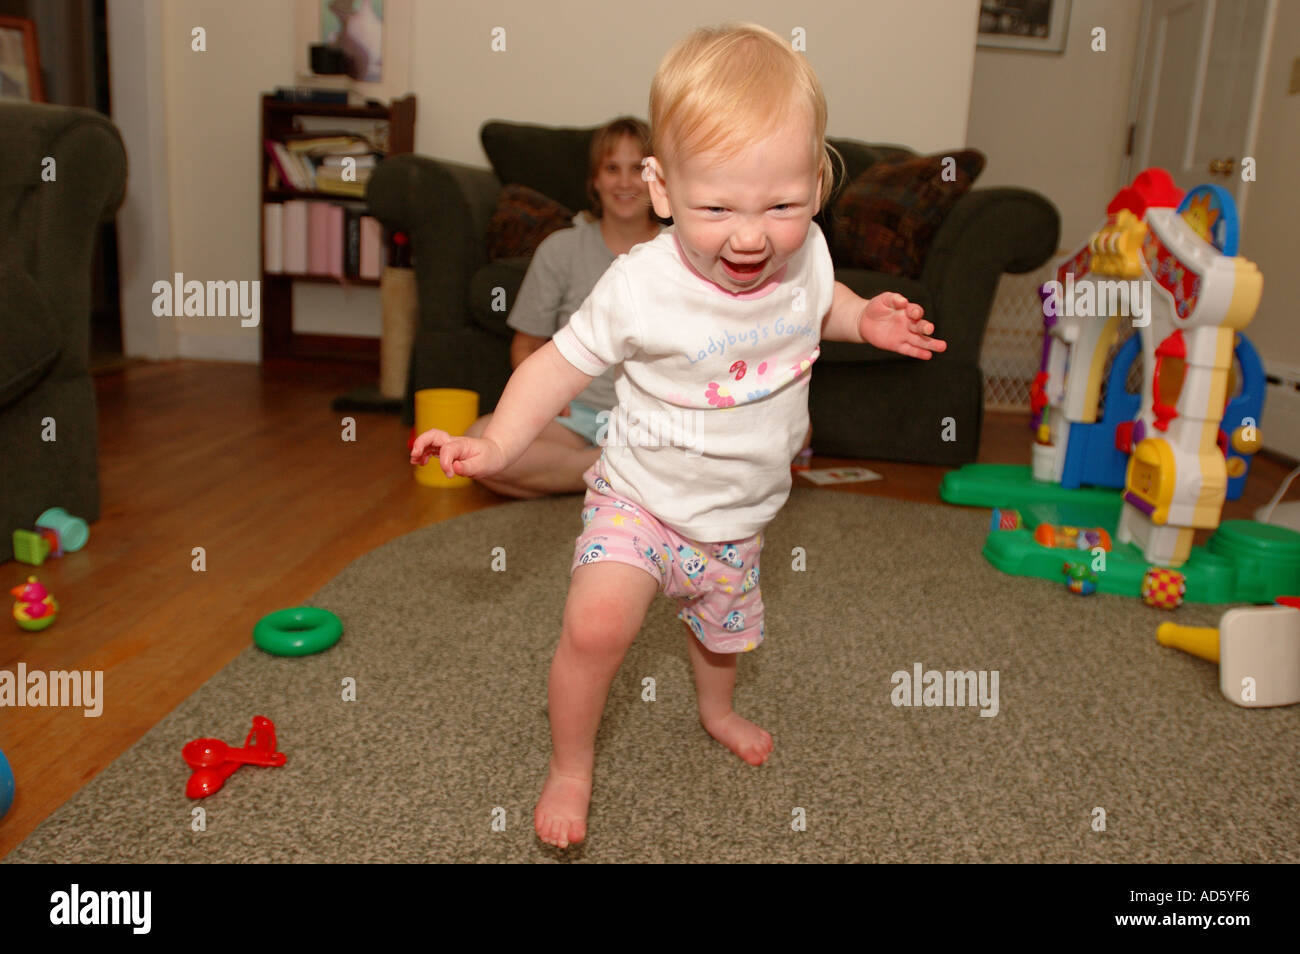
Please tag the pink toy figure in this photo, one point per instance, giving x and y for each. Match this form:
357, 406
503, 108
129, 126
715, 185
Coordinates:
34, 608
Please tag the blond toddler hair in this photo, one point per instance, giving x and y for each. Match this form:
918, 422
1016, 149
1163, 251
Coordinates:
725, 88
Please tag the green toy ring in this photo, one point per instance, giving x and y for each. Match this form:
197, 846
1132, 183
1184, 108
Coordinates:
299, 631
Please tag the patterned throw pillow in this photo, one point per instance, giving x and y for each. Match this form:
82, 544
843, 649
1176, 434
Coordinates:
887, 218
523, 218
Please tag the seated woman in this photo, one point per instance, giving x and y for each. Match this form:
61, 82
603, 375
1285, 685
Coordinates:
563, 272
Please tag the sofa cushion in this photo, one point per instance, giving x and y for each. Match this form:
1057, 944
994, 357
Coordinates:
887, 218
858, 157
552, 160
869, 285
523, 218
30, 333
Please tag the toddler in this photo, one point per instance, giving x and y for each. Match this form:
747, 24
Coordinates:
714, 326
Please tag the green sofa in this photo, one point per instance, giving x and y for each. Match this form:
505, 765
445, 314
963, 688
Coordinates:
47, 237
864, 403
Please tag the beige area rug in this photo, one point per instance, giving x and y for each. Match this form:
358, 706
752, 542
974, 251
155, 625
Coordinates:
449, 728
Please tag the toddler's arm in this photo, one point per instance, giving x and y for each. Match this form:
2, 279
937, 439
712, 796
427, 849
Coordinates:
889, 321
535, 393
538, 390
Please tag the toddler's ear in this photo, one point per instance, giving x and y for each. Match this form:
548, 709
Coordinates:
652, 173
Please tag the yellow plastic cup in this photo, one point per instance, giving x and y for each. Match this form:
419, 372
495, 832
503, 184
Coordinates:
449, 409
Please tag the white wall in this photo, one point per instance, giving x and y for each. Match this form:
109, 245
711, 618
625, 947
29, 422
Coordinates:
893, 71
1057, 122
213, 115
144, 221
1271, 229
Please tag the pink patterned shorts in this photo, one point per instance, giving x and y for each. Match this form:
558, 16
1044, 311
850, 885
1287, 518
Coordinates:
715, 584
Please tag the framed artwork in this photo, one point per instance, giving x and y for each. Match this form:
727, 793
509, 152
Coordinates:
357, 26
20, 61
317, 21
1024, 24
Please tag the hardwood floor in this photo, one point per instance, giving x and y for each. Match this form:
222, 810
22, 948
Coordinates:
249, 463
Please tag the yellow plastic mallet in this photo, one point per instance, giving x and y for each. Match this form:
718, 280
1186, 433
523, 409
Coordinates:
1257, 649
1200, 641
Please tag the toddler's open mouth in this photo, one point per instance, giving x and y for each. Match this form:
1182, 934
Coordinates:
742, 273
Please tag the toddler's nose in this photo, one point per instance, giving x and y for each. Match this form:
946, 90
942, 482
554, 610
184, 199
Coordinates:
748, 240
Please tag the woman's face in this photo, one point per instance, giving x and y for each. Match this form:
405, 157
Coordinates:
623, 193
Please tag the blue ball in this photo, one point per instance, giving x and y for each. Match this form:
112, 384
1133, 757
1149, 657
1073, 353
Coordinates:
6, 785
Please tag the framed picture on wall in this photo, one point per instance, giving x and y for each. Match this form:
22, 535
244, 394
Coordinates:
1024, 24
357, 27
20, 61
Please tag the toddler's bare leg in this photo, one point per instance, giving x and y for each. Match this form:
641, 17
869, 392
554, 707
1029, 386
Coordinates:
606, 605
553, 464
715, 678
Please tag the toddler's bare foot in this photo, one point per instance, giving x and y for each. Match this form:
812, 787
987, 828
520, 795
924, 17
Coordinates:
750, 742
560, 817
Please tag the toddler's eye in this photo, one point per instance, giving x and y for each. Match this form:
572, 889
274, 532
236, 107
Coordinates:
780, 208
715, 208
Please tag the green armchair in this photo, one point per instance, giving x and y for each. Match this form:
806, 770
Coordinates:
47, 237
864, 403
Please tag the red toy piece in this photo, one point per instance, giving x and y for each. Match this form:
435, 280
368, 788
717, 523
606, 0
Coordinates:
213, 761
1153, 188
1038, 394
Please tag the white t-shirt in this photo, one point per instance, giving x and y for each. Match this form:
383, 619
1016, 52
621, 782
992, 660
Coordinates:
713, 387
564, 269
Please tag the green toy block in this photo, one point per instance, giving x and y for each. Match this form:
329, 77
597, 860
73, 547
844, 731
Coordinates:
30, 547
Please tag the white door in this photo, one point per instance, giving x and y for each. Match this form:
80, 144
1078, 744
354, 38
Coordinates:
1197, 90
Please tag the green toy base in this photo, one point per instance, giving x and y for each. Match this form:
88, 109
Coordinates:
36, 625
1010, 485
1243, 562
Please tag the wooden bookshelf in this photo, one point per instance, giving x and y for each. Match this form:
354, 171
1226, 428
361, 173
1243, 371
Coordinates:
280, 118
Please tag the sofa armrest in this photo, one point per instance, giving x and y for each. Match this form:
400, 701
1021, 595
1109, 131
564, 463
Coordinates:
410, 193
445, 208
50, 227
988, 232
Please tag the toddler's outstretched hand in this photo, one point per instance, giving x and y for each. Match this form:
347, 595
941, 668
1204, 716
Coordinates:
892, 323
458, 456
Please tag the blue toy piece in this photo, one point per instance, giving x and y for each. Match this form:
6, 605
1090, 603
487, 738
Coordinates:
1212, 211
6, 785
1091, 457
1249, 404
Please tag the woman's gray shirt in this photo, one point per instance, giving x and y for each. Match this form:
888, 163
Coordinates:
564, 270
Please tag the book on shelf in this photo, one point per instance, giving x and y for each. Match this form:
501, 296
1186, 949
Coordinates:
371, 248
308, 94
352, 243
318, 243
273, 238
305, 237
295, 237
335, 163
